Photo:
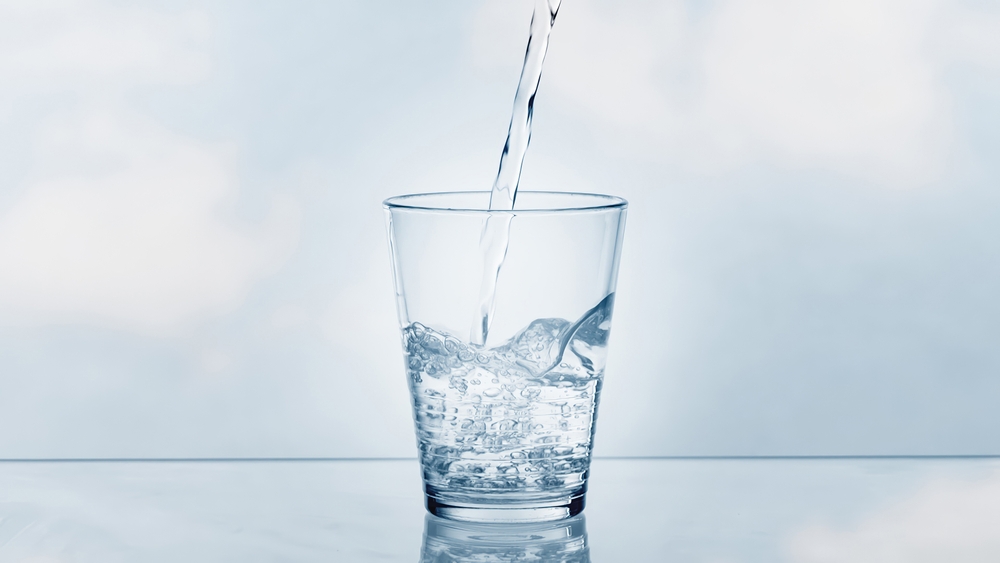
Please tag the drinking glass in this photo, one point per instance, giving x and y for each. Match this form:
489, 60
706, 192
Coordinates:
505, 427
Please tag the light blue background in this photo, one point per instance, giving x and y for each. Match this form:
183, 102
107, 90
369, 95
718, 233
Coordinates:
192, 255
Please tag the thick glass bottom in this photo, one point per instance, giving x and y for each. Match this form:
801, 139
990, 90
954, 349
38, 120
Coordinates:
500, 511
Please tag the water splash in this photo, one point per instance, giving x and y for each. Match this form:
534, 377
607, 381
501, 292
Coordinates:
515, 419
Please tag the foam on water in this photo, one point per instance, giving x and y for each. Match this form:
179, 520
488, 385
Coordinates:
514, 418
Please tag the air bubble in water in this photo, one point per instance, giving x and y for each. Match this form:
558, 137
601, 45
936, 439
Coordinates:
526, 419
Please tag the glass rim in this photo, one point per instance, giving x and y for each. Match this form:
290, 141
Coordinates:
404, 202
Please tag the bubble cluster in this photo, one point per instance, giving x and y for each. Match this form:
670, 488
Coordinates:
517, 418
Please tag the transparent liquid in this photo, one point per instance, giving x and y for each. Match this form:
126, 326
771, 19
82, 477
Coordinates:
513, 423
519, 131
496, 231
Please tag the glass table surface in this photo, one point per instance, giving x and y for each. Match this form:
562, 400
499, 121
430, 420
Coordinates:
807, 510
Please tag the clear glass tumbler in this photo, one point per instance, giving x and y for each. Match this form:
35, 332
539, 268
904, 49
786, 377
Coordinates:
505, 428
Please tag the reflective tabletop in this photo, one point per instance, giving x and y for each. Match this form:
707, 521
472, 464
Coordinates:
694, 510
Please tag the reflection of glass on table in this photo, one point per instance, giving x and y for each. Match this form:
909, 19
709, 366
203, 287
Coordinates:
505, 373
450, 541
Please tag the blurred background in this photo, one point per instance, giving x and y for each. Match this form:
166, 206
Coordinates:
193, 259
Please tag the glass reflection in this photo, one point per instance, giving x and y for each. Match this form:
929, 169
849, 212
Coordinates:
447, 541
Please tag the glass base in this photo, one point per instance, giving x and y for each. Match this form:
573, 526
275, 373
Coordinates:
498, 512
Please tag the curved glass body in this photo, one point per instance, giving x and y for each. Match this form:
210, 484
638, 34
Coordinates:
505, 408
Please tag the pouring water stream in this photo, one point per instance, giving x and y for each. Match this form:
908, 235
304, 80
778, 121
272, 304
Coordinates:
496, 232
